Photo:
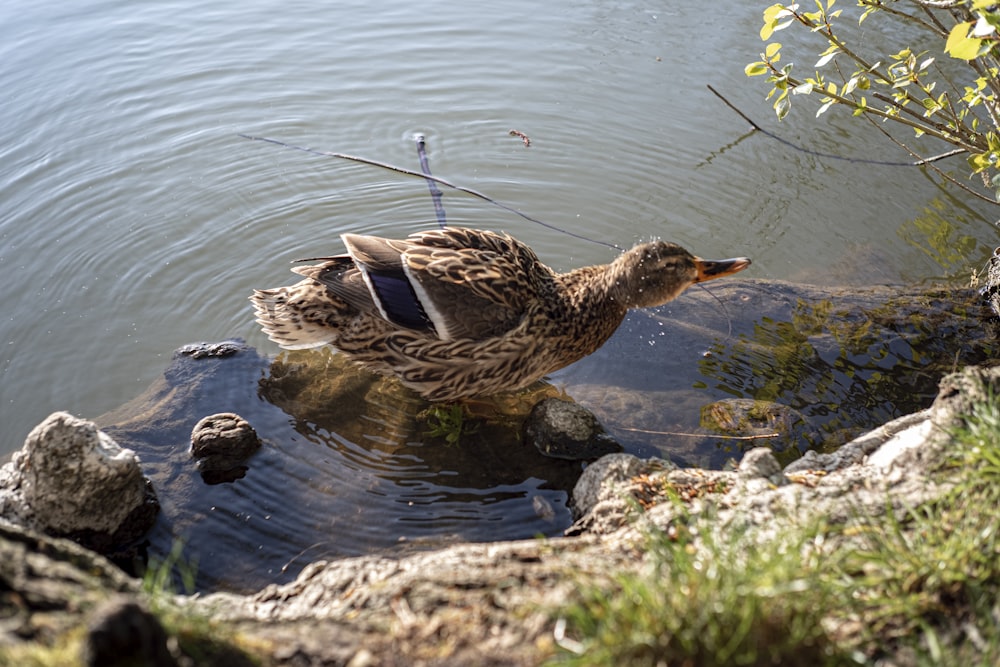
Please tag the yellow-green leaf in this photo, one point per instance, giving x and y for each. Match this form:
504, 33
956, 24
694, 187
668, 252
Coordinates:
771, 49
755, 69
770, 21
978, 163
960, 45
782, 106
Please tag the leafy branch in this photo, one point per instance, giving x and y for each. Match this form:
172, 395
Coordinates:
908, 87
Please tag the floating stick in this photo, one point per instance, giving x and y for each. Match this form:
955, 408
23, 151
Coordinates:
436, 179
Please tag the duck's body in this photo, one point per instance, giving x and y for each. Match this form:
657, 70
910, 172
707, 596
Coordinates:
457, 313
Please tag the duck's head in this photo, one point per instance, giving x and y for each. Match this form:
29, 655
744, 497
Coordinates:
654, 273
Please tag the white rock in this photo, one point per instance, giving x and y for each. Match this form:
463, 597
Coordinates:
74, 477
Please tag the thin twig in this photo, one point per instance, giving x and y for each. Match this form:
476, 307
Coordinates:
803, 149
934, 158
761, 436
438, 179
938, 28
928, 161
738, 112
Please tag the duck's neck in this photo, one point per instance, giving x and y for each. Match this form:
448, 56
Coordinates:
595, 297
599, 288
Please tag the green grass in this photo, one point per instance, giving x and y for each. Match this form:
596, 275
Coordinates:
736, 603
921, 586
197, 637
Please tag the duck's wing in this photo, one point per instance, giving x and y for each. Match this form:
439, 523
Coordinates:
341, 276
442, 286
371, 279
495, 267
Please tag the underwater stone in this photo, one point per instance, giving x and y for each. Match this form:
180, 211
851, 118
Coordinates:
226, 348
78, 482
785, 430
565, 430
222, 441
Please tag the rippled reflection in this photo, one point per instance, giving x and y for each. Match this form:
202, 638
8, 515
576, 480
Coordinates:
346, 468
844, 360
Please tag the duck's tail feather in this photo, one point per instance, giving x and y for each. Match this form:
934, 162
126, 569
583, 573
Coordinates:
293, 318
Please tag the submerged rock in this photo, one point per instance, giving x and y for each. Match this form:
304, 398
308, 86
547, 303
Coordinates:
564, 430
226, 348
889, 467
844, 359
223, 441
784, 430
76, 481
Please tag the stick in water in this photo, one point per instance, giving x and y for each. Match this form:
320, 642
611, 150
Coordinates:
431, 185
436, 179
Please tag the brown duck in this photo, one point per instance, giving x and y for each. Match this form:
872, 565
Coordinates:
458, 313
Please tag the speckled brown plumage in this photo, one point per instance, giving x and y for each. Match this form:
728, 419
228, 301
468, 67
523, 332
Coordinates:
457, 313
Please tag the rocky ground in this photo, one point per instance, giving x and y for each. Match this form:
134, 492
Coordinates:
487, 604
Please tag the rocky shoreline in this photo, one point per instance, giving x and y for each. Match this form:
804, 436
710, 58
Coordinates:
491, 604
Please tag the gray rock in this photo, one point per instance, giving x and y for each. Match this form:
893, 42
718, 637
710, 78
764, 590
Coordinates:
49, 583
602, 499
990, 291
76, 481
890, 467
856, 451
564, 430
599, 480
760, 463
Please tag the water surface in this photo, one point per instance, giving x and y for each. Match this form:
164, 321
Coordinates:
134, 220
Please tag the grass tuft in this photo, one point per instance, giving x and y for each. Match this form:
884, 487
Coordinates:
918, 587
732, 603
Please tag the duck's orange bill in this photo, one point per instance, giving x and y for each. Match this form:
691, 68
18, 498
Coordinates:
710, 269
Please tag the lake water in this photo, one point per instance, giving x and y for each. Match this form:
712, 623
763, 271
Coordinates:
134, 219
